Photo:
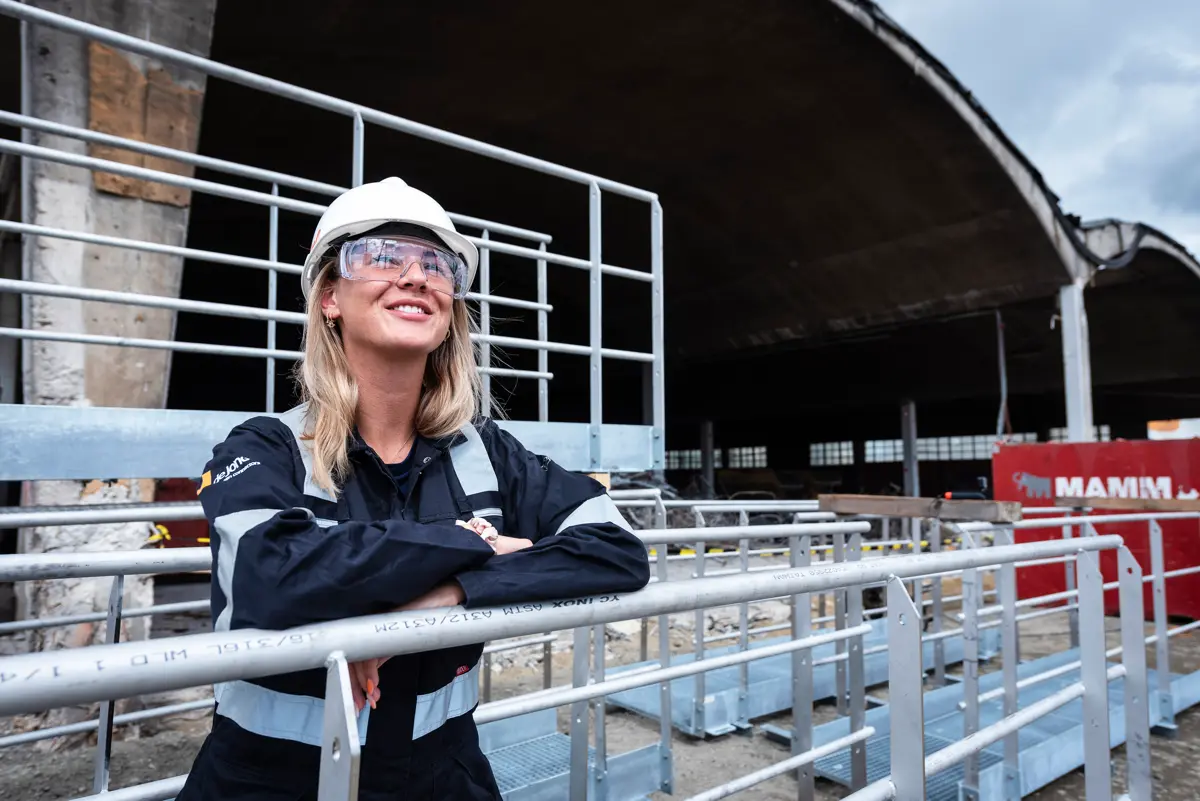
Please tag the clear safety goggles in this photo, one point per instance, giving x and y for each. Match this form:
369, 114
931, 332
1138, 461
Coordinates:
378, 258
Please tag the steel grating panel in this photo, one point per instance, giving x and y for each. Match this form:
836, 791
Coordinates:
942, 787
770, 682
532, 761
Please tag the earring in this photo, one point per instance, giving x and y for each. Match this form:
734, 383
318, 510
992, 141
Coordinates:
330, 323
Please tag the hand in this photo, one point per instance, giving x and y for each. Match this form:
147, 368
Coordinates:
364, 682
364, 675
500, 543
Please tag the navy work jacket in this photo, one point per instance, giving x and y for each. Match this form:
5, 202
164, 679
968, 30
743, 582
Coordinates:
286, 553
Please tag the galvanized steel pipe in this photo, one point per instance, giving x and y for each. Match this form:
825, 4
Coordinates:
33, 682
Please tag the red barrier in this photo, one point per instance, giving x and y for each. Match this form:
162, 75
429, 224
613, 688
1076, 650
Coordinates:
1036, 474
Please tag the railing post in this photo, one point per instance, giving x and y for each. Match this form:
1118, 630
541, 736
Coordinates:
699, 621
595, 306
854, 614
112, 634
579, 717
543, 329
487, 676
1010, 654
905, 677
485, 322
743, 710
1069, 573
356, 166
1164, 723
341, 751
1097, 759
665, 724
935, 592
600, 761
272, 296
1133, 656
969, 788
800, 555
839, 622
659, 416
917, 586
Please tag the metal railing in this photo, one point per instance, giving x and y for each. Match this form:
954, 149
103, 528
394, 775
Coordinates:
103, 672
360, 117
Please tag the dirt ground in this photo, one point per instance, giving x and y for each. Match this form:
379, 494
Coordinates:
166, 748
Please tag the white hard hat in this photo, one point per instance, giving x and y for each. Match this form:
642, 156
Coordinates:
369, 206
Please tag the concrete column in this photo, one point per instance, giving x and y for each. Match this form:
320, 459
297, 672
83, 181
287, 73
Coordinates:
1077, 364
908, 435
84, 84
707, 459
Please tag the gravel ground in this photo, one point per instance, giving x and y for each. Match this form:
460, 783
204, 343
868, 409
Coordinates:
63, 770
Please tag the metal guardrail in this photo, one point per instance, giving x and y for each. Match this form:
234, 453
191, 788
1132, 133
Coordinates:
75, 676
360, 117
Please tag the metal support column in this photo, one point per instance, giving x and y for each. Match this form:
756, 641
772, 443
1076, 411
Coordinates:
543, 329
1093, 671
272, 296
1133, 656
1069, 572
839, 622
698, 628
485, 322
657, 336
1077, 363
743, 711
356, 166
935, 591
1010, 654
857, 674
708, 460
1164, 715
911, 466
905, 674
595, 306
666, 762
600, 761
968, 790
112, 635
800, 555
579, 718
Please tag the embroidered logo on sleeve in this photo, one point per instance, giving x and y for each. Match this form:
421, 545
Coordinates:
236, 468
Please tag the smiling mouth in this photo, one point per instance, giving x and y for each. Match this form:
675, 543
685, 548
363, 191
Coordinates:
408, 308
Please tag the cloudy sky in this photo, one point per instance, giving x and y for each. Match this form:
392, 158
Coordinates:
1102, 95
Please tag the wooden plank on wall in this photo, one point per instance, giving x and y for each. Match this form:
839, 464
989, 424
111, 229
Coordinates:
1133, 504
894, 506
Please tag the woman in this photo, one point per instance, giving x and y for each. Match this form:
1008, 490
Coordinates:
384, 491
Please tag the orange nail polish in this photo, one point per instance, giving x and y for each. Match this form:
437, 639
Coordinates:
370, 687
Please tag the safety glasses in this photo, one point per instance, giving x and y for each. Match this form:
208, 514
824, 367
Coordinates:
389, 259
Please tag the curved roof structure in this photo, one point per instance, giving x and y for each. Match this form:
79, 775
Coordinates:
834, 198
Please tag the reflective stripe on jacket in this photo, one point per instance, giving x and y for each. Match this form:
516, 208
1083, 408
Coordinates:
286, 553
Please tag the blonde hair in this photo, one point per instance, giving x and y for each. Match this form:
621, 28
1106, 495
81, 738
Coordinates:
451, 392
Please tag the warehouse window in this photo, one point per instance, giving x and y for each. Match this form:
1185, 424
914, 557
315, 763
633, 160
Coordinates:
831, 454
879, 451
690, 459
940, 449
748, 457
1101, 433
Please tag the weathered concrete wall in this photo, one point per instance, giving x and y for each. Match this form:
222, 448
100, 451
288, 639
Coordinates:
89, 85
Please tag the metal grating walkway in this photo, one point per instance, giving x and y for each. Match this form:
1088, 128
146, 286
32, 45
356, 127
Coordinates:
532, 762
770, 682
1049, 748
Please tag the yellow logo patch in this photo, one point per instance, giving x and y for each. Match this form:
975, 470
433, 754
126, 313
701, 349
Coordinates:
205, 480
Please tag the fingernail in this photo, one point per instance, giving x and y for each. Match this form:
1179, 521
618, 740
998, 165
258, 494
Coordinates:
370, 687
